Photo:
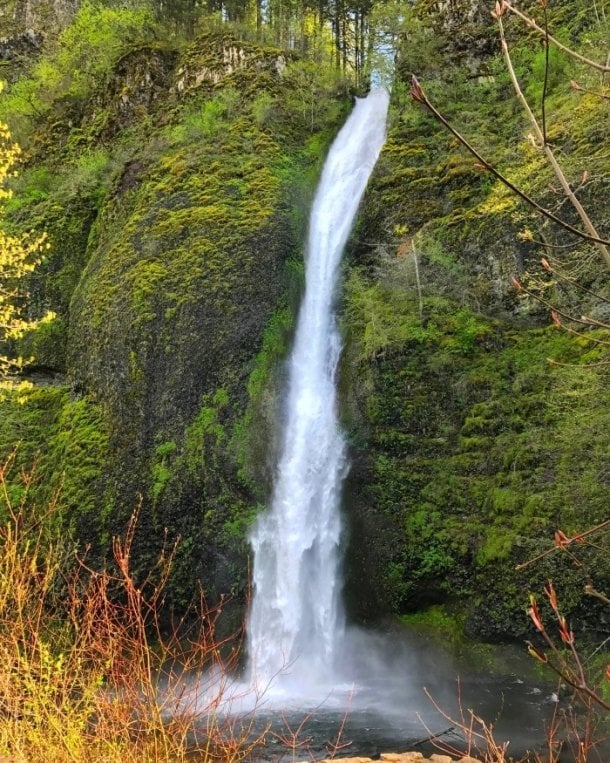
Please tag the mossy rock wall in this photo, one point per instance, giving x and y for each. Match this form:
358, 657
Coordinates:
470, 448
176, 207
189, 262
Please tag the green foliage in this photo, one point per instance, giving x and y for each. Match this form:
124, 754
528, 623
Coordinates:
275, 346
46, 344
556, 78
84, 53
67, 439
480, 450
389, 312
89, 176
252, 436
203, 120
306, 97
61, 201
206, 433
161, 474
436, 620
263, 109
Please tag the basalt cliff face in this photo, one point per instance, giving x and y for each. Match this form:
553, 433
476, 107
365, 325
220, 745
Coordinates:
478, 425
175, 196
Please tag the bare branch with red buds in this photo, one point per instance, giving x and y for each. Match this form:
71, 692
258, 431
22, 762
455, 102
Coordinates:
562, 540
566, 279
567, 636
499, 9
534, 614
551, 595
537, 654
556, 314
418, 94
568, 667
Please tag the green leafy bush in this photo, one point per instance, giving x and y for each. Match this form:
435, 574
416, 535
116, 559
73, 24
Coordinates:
80, 59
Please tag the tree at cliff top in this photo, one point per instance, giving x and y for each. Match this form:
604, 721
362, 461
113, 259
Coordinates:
18, 256
337, 32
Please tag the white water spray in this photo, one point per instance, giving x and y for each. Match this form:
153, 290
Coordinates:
296, 622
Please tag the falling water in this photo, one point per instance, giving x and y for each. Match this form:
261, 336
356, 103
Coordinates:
296, 622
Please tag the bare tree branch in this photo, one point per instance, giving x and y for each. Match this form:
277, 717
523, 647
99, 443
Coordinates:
418, 94
605, 68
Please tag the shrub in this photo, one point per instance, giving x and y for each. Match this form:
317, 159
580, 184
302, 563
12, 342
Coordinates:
87, 671
84, 53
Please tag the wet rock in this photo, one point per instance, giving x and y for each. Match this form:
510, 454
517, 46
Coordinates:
409, 757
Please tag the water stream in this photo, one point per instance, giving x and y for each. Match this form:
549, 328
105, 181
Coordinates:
306, 668
296, 623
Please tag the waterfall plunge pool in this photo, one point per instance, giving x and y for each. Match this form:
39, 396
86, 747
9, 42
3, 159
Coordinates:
381, 698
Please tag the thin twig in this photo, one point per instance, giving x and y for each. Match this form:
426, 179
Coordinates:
418, 283
546, 72
581, 335
546, 244
577, 285
574, 539
601, 363
559, 174
590, 591
418, 94
532, 24
430, 737
580, 89
583, 320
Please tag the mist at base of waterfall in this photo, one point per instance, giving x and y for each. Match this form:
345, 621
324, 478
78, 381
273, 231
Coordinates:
376, 697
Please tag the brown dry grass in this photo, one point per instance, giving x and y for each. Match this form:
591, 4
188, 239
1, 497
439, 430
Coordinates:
87, 672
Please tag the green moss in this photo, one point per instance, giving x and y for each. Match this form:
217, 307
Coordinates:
436, 618
184, 230
479, 449
248, 439
472, 448
65, 442
46, 344
206, 434
161, 474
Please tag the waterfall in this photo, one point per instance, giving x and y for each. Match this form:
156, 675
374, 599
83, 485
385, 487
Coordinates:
296, 620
